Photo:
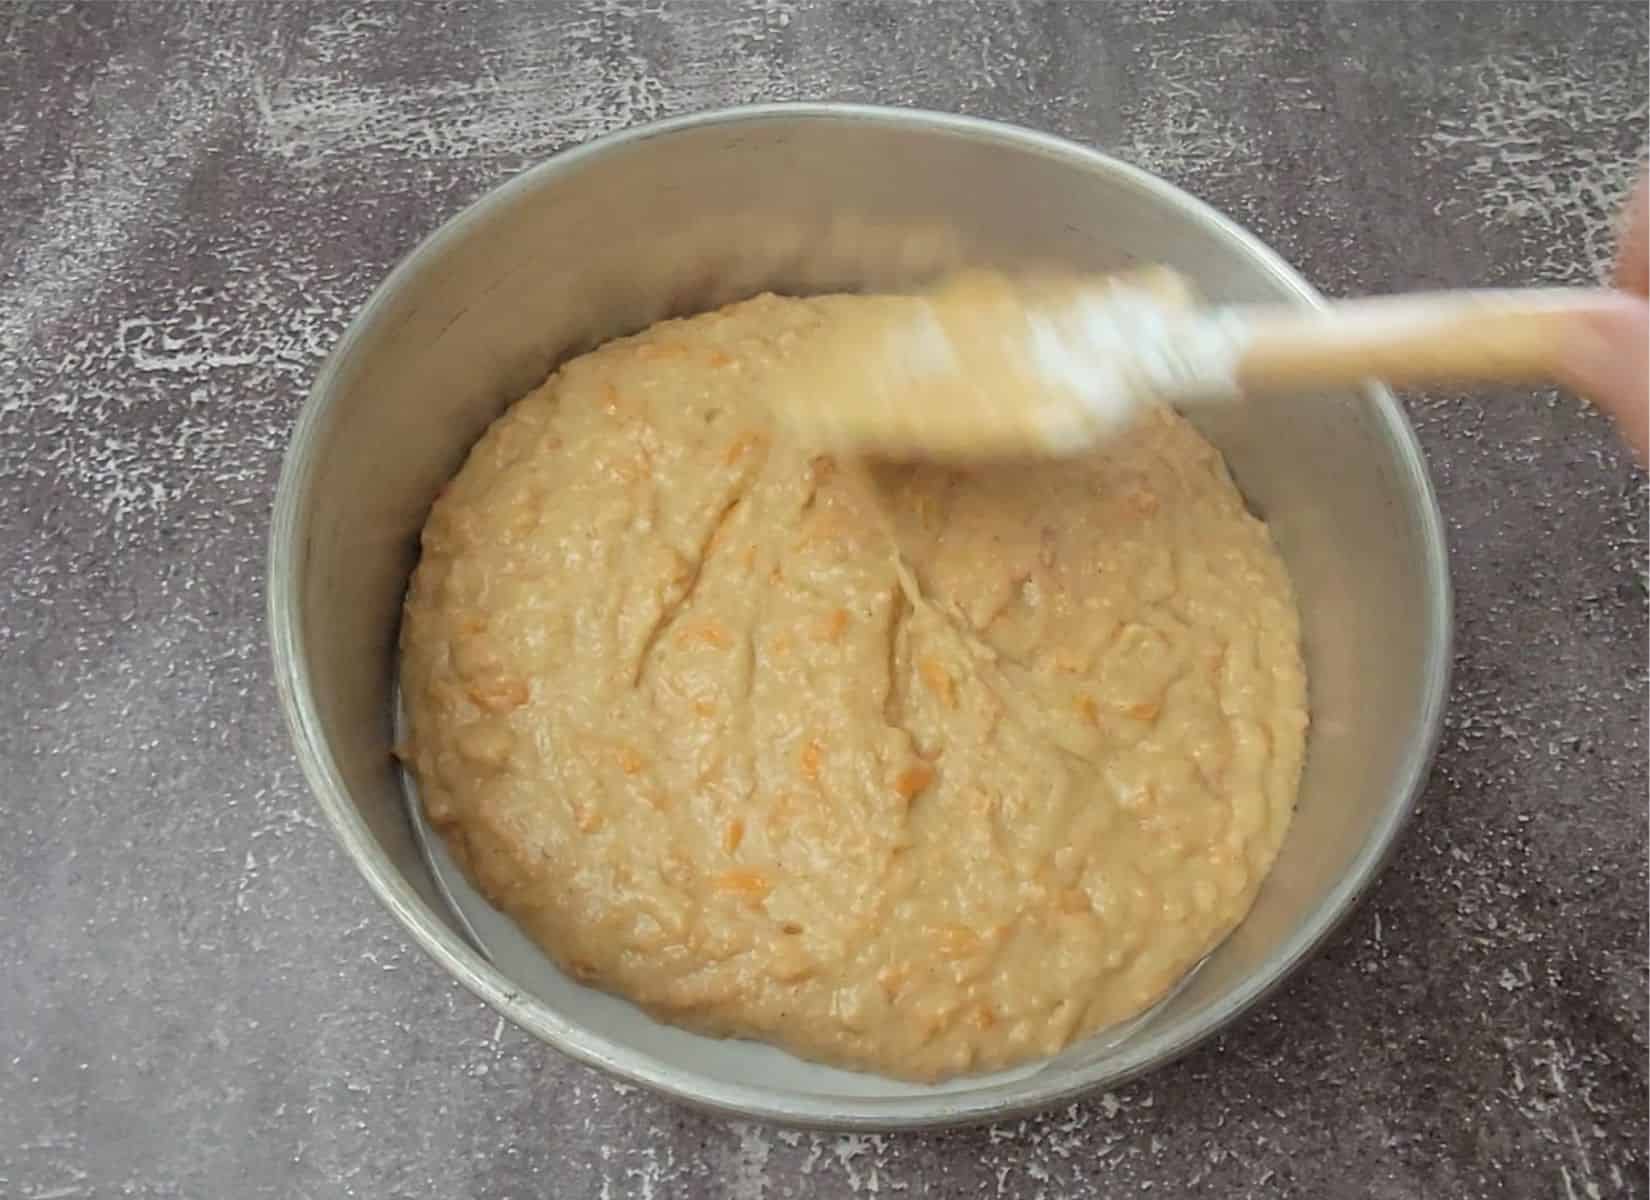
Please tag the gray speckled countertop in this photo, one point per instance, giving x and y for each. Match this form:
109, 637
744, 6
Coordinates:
198, 998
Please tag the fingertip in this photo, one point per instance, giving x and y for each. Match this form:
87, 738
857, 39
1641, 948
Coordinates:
1608, 362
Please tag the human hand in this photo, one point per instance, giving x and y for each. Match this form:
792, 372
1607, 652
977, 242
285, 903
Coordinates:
1612, 368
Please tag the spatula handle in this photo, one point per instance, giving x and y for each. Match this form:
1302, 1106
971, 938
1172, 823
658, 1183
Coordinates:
1513, 336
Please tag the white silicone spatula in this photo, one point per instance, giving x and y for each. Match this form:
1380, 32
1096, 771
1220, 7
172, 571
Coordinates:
986, 368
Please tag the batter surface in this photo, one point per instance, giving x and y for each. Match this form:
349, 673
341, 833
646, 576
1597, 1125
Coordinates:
912, 769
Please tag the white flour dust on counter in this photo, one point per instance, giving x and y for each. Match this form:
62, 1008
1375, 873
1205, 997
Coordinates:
1547, 152
549, 79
